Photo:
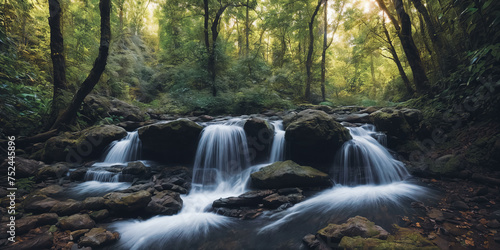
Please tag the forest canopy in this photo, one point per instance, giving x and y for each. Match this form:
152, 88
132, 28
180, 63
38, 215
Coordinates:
245, 56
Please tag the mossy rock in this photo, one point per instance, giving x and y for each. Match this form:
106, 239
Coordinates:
354, 227
173, 142
285, 174
260, 136
313, 137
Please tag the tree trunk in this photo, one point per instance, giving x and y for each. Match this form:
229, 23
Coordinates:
323, 54
396, 60
58, 61
247, 30
206, 16
412, 54
310, 52
69, 115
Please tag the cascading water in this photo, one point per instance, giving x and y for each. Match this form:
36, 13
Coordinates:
106, 176
125, 150
363, 160
278, 146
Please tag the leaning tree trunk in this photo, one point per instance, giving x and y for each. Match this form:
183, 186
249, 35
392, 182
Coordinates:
310, 52
412, 54
69, 114
58, 61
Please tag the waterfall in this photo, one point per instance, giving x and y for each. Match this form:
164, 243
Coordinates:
364, 160
278, 146
222, 152
125, 150
102, 176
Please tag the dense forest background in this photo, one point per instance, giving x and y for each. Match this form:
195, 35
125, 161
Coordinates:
240, 57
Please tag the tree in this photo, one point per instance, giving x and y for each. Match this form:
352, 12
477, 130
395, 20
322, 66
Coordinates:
310, 51
69, 114
403, 30
58, 61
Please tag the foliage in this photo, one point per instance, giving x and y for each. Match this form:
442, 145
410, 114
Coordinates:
25, 183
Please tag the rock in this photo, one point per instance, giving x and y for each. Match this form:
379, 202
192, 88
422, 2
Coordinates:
313, 243
38, 204
135, 168
356, 226
127, 202
165, 202
493, 224
448, 165
392, 122
256, 195
354, 118
275, 200
412, 116
173, 187
313, 137
75, 222
460, 205
260, 136
57, 171
24, 167
205, 118
368, 110
93, 203
436, 214
235, 202
76, 147
52, 190
67, 207
75, 235
174, 141
78, 174
97, 107
289, 174
27, 223
99, 215
98, 237
39, 241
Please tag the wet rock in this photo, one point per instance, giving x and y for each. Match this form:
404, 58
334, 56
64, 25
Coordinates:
205, 118
314, 243
135, 168
412, 116
256, 195
99, 215
24, 167
43, 240
52, 190
27, 223
393, 123
235, 202
38, 204
260, 136
83, 145
67, 207
57, 170
127, 202
244, 213
75, 235
165, 202
287, 191
78, 174
172, 187
97, 107
276, 200
174, 141
493, 224
93, 203
356, 226
76, 222
354, 118
436, 214
460, 205
289, 174
312, 136
368, 110
98, 237
454, 229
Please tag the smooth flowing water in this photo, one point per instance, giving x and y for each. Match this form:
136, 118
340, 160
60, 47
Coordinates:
125, 150
278, 146
363, 160
221, 170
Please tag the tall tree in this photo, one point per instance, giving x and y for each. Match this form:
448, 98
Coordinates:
403, 30
69, 114
57, 56
310, 51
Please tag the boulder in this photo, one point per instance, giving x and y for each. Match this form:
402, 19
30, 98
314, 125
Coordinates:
44, 240
98, 237
289, 174
356, 226
127, 202
313, 137
78, 174
174, 141
260, 136
24, 167
392, 122
354, 118
93, 203
76, 222
248, 199
368, 110
56, 171
135, 168
76, 147
99, 215
275, 200
52, 190
38, 204
27, 223
96, 108
67, 207
165, 202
